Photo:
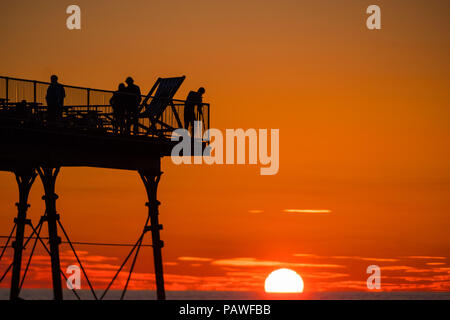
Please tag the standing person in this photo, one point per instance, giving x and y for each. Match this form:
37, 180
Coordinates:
193, 99
55, 99
118, 104
21, 109
133, 101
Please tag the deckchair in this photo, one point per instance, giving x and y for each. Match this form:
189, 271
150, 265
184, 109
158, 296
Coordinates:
164, 90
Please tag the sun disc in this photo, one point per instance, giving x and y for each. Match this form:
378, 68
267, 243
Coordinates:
284, 281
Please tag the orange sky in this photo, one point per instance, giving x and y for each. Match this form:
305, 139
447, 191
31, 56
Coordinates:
363, 118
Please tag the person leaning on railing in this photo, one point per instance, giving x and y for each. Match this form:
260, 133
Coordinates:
193, 99
55, 99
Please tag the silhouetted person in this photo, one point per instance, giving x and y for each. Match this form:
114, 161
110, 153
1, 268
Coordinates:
55, 99
133, 101
193, 99
118, 103
21, 109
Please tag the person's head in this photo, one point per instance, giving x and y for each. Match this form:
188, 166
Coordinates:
121, 87
129, 80
201, 90
53, 79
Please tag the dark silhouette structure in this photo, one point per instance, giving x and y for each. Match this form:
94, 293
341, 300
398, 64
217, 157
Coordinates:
194, 99
132, 101
55, 98
84, 133
119, 105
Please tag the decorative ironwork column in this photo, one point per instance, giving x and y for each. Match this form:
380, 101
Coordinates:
151, 180
25, 179
48, 177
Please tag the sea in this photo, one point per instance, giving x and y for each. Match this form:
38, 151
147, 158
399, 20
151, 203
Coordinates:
47, 294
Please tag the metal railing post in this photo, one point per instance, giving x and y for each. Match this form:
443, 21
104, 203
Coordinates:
88, 97
7, 89
34, 91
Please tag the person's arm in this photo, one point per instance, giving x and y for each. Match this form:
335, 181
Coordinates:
200, 105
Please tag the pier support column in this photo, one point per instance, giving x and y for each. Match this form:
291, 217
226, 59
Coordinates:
151, 180
48, 177
25, 179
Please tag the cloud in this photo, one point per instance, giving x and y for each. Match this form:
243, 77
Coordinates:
343, 285
198, 259
306, 255
255, 211
247, 274
324, 275
97, 258
418, 279
397, 268
366, 258
307, 211
252, 262
411, 269
380, 259
425, 257
246, 262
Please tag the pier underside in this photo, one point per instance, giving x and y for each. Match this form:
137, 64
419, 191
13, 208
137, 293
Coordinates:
63, 148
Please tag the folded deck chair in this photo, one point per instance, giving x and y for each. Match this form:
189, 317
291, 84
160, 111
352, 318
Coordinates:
164, 90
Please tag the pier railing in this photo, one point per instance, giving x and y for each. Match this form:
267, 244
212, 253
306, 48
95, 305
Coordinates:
85, 109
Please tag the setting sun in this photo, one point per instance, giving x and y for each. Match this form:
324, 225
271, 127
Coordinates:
284, 281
